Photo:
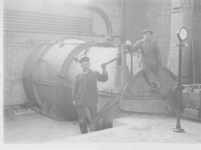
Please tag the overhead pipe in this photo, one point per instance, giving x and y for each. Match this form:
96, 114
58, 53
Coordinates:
98, 11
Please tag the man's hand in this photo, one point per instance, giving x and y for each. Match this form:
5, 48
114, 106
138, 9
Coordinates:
74, 103
128, 46
103, 66
128, 43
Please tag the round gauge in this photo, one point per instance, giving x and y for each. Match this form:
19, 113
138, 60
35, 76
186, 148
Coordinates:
182, 34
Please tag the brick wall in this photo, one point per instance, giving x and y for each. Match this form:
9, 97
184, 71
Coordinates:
18, 45
158, 18
197, 38
181, 16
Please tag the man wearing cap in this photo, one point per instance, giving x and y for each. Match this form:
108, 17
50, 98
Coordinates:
150, 57
85, 95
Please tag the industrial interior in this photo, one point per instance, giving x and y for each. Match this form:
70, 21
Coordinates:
43, 41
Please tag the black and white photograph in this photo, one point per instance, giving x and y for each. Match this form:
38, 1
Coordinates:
101, 74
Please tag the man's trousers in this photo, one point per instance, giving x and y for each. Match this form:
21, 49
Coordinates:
86, 114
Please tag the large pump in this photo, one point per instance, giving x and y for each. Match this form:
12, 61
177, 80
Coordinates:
50, 68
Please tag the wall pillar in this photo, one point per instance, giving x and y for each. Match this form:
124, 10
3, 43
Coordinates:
181, 16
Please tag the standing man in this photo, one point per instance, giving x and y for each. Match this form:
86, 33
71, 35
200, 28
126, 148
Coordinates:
85, 94
150, 57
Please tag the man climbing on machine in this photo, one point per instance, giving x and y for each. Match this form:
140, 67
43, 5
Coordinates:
150, 57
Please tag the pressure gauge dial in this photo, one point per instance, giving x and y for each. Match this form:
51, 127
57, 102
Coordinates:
182, 34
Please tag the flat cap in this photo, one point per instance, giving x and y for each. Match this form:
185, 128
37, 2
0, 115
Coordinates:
147, 30
84, 59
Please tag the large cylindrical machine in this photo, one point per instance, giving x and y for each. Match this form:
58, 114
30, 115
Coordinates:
50, 69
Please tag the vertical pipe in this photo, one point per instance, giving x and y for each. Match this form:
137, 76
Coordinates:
123, 21
118, 63
123, 56
131, 64
193, 62
117, 71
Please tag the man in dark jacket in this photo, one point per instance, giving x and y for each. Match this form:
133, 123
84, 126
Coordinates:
85, 95
150, 57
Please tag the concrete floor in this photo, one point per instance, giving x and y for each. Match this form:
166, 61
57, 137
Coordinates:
138, 128
135, 128
36, 128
